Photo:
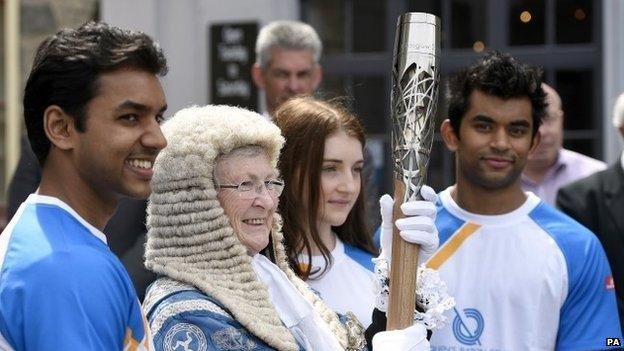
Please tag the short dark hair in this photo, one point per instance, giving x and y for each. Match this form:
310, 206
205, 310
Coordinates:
500, 75
66, 69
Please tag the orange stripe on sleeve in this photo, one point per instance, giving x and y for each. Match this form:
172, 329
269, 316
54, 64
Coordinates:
448, 249
129, 343
147, 333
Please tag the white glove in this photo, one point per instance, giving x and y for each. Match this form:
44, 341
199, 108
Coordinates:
413, 338
417, 227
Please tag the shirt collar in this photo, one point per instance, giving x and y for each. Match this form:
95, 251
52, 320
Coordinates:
504, 219
50, 200
560, 163
318, 261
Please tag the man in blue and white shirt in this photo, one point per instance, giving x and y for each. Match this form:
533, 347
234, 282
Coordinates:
524, 276
93, 104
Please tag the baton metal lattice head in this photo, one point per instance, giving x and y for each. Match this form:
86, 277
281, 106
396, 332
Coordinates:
416, 77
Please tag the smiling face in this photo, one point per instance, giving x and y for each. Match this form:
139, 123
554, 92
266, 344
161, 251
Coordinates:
341, 178
493, 142
251, 219
115, 153
289, 73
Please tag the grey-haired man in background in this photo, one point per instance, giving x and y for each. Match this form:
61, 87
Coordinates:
287, 62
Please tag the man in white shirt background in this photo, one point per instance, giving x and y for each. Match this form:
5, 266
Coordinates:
551, 166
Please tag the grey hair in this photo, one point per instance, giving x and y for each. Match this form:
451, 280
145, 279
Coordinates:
618, 112
243, 151
290, 35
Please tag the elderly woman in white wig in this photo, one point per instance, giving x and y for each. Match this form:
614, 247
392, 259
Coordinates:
214, 238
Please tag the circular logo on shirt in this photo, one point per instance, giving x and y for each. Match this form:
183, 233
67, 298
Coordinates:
468, 326
185, 337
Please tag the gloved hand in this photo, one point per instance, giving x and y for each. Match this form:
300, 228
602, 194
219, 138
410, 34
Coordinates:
417, 227
412, 338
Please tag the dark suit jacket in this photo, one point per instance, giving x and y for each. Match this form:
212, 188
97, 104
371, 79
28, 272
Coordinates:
598, 203
125, 231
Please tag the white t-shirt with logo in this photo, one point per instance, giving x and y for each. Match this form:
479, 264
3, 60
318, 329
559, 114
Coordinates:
531, 279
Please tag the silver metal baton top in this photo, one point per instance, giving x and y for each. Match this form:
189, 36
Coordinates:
416, 77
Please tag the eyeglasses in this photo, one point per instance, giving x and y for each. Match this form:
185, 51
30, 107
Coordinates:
274, 187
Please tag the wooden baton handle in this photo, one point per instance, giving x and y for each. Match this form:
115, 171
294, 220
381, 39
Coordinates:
404, 266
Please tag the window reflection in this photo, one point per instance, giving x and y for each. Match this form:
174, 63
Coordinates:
369, 23
583, 146
577, 98
574, 21
441, 172
367, 96
429, 6
328, 18
332, 86
370, 101
468, 24
526, 22
532, 30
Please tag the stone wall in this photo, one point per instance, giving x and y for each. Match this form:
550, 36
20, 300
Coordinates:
38, 19
41, 18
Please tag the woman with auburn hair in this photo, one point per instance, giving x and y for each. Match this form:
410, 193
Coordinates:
327, 240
